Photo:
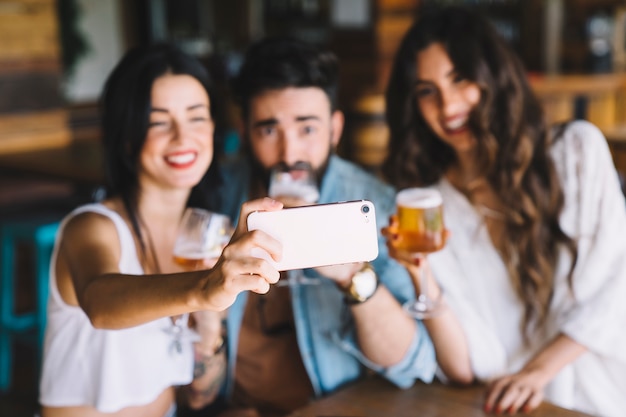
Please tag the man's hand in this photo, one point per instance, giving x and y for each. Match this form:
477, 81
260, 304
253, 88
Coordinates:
341, 274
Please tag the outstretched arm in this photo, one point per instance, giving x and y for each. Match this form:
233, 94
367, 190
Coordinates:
90, 254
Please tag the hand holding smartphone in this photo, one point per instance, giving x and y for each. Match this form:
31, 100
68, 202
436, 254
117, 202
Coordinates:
320, 235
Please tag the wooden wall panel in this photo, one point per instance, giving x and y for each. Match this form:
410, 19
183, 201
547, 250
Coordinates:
33, 130
28, 29
32, 109
29, 91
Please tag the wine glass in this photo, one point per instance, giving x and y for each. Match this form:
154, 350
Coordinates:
295, 183
420, 231
202, 235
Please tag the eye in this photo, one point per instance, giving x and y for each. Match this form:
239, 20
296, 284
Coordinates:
267, 130
158, 124
458, 78
424, 91
199, 119
308, 130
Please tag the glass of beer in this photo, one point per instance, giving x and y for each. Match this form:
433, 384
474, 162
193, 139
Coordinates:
202, 235
420, 231
294, 182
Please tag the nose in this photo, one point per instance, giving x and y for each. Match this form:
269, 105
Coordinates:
290, 148
449, 101
180, 131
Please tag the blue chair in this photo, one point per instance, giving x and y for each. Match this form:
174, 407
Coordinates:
42, 236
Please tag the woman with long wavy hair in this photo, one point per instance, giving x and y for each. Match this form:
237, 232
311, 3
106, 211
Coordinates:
534, 270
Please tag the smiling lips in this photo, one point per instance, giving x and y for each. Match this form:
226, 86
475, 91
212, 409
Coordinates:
455, 125
181, 160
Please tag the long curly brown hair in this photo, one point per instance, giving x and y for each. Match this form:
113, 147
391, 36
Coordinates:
512, 146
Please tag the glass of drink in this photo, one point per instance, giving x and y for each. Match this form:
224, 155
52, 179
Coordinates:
295, 182
420, 232
202, 235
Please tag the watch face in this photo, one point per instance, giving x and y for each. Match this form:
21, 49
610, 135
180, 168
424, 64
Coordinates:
365, 282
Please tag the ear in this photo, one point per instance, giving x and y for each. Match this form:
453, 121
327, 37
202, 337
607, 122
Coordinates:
336, 123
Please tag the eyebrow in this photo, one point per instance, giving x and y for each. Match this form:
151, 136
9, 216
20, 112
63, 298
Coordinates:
450, 73
193, 107
274, 121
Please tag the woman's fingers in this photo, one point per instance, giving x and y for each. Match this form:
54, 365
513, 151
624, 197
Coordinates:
494, 391
533, 402
262, 204
240, 268
520, 398
232, 276
249, 244
254, 275
512, 394
512, 398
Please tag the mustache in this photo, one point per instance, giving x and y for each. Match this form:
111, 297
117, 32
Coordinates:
297, 166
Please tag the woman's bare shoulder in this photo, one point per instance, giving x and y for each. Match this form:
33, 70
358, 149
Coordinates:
91, 226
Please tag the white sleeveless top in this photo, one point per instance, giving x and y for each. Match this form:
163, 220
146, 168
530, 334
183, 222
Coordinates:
108, 369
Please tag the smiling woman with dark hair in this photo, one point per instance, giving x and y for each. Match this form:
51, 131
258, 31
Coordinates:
119, 338
535, 267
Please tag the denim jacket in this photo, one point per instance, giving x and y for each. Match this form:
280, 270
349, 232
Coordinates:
324, 325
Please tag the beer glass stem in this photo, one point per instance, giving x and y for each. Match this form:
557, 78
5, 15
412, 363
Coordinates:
423, 279
423, 307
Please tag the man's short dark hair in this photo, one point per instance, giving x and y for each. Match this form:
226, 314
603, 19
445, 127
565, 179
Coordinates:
282, 62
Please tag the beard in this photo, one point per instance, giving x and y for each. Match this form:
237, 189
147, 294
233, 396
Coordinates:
260, 175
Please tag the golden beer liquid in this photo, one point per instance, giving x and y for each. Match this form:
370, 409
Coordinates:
189, 264
420, 230
193, 259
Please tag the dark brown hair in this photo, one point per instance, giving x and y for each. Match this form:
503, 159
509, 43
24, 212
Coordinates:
125, 111
512, 146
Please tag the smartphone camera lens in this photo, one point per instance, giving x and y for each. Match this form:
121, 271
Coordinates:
365, 209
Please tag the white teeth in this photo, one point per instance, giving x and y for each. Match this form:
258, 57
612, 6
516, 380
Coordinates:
183, 158
456, 124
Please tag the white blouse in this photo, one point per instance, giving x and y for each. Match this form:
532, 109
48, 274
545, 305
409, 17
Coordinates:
109, 369
477, 287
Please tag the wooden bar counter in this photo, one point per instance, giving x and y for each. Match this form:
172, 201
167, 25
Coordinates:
375, 397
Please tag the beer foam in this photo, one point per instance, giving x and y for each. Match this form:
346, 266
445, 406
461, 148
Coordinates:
306, 192
419, 198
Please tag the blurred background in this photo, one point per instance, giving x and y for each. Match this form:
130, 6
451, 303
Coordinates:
56, 54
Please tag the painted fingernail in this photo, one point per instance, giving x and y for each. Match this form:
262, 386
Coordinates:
487, 409
526, 409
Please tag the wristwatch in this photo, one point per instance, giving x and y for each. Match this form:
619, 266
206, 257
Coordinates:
362, 286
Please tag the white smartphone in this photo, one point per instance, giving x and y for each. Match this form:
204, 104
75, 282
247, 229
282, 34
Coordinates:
320, 235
